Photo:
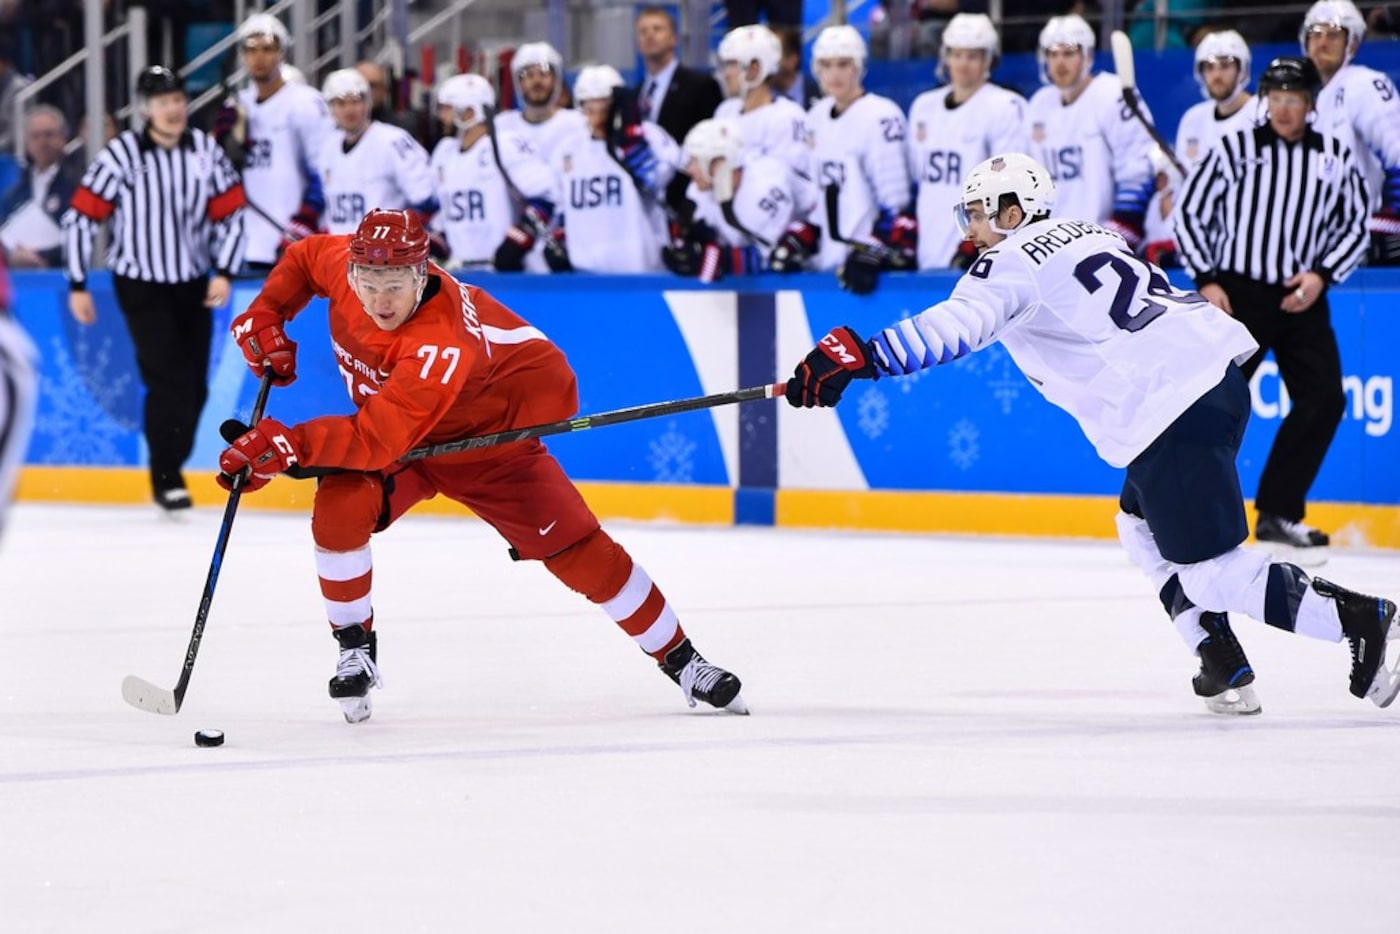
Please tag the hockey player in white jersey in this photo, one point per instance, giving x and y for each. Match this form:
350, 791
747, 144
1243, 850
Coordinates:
1222, 71
367, 164
477, 188
742, 205
539, 120
1095, 149
1151, 375
861, 168
278, 129
771, 124
1358, 106
956, 126
613, 179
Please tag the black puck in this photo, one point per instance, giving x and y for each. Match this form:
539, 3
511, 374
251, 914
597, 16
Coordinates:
209, 738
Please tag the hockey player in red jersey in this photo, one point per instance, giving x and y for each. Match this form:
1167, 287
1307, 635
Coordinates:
428, 359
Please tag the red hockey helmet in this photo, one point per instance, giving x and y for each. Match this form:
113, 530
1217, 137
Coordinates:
389, 238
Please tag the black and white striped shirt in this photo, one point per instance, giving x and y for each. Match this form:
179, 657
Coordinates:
176, 213
1266, 209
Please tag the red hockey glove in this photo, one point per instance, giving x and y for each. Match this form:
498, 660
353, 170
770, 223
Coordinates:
1127, 225
265, 344
264, 451
1385, 237
824, 374
797, 243
302, 225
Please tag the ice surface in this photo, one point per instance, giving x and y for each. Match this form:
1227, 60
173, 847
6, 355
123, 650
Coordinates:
947, 735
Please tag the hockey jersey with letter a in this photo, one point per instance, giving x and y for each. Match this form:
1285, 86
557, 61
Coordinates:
463, 364
1099, 332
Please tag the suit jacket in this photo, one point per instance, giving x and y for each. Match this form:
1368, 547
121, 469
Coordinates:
60, 194
691, 97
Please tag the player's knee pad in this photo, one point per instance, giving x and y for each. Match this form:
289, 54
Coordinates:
596, 567
1234, 582
1141, 547
347, 510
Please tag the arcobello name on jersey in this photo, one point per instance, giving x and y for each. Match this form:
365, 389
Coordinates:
1042, 246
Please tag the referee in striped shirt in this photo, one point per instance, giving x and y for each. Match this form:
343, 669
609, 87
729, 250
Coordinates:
175, 203
1268, 221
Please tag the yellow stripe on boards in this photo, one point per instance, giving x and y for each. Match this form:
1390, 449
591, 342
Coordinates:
1351, 524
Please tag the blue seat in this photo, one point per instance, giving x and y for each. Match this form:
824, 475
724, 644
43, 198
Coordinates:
198, 38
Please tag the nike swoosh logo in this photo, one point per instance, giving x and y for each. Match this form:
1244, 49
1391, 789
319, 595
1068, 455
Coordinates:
545, 530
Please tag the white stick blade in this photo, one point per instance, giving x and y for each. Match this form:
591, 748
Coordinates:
1123, 58
144, 695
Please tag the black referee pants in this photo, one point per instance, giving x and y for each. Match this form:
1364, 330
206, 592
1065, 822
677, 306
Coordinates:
1310, 365
172, 331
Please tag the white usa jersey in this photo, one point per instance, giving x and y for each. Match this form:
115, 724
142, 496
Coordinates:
765, 202
861, 154
545, 136
1095, 149
475, 203
385, 168
1201, 127
1359, 108
609, 225
1099, 332
778, 129
286, 134
945, 143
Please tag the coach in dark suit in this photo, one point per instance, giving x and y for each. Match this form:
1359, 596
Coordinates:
671, 95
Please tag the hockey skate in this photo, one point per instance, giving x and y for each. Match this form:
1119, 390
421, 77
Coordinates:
1225, 681
1295, 542
1368, 623
356, 672
700, 680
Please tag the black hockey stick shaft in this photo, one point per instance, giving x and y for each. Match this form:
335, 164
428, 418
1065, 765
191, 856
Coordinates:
1127, 76
140, 693
727, 209
601, 420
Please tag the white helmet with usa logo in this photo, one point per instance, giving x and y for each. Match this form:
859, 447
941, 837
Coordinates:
1010, 174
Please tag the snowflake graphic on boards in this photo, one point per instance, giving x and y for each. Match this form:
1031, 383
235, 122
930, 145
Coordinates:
994, 366
873, 412
79, 431
963, 449
672, 456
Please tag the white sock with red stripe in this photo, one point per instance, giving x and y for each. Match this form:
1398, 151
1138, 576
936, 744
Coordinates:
641, 609
345, 586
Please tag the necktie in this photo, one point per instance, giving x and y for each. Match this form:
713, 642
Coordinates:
648, 90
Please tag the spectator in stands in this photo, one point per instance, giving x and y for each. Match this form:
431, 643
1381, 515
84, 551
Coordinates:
792, 80
382, 105
77, 160
671, 95
775, 12
31, 212
11, 81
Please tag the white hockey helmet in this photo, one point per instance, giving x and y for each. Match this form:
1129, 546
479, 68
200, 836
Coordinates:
466, 92
752, 44
1070, 30
596, 82
1009, 174
969, 31
839, 42
343, 83
1226, 44
537, 55
713, 139
264, 26
1338, 14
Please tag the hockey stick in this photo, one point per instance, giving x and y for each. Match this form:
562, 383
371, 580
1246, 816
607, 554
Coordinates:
1123, 64
727, 209
895, 259
141, 693
601, 420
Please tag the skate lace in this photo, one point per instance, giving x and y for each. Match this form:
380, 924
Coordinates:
698, 676
354, 661
1300, 530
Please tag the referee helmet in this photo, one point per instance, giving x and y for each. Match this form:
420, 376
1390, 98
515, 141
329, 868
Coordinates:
157, 79
1291, 73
